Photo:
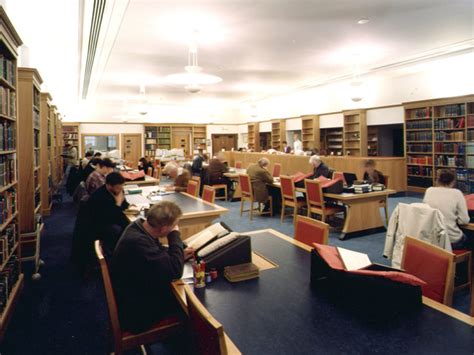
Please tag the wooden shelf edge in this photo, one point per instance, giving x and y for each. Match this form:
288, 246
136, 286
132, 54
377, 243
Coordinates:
11, 304
6, 187
8, 221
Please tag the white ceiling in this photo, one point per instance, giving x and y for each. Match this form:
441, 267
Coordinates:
257, 47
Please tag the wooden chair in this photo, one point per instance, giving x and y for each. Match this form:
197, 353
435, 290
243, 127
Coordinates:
288, 197
247, 195
433, 265
316, 203
193, 188
460, 257
208, 194
124, 340
276, 170
309, 231
149, 171
198, 180
207, 333
156, 163
239, 165
221, 187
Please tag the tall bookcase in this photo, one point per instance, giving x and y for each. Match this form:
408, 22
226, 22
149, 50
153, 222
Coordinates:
71, 135
11, 278
310, 132
199, 137
439, 134
59, 147
278, 134
372, 141
157, 137
46, 179
29, 148
253, 134
331, 141
355, 133
56, 147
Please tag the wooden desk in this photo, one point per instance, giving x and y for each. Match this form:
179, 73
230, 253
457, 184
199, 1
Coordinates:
197, 214
280, 313
149, 181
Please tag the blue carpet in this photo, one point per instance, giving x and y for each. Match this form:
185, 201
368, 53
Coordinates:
63, 314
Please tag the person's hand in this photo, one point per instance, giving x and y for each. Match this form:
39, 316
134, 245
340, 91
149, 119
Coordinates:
119, 198
188, 253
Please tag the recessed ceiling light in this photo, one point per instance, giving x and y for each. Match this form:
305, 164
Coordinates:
363, 21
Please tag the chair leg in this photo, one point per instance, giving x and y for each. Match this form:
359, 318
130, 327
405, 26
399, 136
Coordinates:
271, 206
282, 212
295, 213
225, 192
386, 211
251, 210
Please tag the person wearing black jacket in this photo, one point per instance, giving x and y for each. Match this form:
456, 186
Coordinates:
145, 165
319, 169
142, 268
106, 206
198, 162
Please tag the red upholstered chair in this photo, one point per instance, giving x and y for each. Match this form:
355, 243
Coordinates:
276, 170
208, 194
247, 195
288, 197
433, 265
239, 165
124, 340
315, 201
193, 188
198, 180
340, 175
310, 231
207, 333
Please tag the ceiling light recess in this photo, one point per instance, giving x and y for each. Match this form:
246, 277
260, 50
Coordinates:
363, 21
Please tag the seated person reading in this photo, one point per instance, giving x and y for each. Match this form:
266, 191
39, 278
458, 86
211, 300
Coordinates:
319, 169
142, 268
216, 170
450, 201
198, 162
371, 175
180, 183
144, 164
107, 205
97, 178
260, 177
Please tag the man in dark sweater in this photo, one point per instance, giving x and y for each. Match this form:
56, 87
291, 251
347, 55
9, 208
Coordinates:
142, 268
106, 206
319, 169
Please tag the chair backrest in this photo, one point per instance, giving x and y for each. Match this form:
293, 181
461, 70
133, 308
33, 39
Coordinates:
208, 333
149, 171
238, 165
245, 185
309, 231
314, 193
157, 172
433, 265
386, 180
287, 188
340, 175
156, 163
109, 293
198, 180
209, 194
276, 170
193, 188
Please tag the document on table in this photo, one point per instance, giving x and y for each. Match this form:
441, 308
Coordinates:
353, 260
137, 200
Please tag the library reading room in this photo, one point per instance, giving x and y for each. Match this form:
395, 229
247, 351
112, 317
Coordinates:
236, 177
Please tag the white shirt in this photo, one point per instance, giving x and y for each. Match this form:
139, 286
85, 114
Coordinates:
452, 205
297, 145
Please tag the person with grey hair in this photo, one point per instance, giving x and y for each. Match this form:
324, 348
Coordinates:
260, 177
319, 169
142, 268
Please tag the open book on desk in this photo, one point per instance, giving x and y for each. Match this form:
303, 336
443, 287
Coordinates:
354, 260
208, 235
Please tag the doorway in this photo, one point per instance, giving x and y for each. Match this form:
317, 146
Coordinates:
223, 141
131, 148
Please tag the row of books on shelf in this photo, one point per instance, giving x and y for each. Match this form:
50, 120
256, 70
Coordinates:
8, 278
7, 169
449, 136
419, 148
7, 136
422, 160
419, 136
421, 112
7, 205
420, 171
457, 148
7, 102
454, 110
74, 143
36, 119
419, 124
450, 123
451, 161
70, 136
470, 121
7, 70
470, 161
8, 239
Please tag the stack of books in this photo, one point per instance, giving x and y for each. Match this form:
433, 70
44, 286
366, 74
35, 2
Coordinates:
241, 272
362, 188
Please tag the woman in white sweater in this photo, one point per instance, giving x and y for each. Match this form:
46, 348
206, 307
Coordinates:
451, 203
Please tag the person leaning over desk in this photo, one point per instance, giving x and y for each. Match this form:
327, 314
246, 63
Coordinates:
260, 177
371, 175
319, 169
180, 183
142, 268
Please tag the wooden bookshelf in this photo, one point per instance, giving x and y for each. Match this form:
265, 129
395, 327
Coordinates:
331, 141
355, 133
59, 148
46, 180
372, 141
157, 137
199, 138
310, 132
265, 139
278, 134
253, 136
71, 135
29, 147
56, 147
10, 251
439, 134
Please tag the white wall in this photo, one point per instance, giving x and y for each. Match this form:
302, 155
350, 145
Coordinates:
265, 126
331, 121
383, 116
88, 128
